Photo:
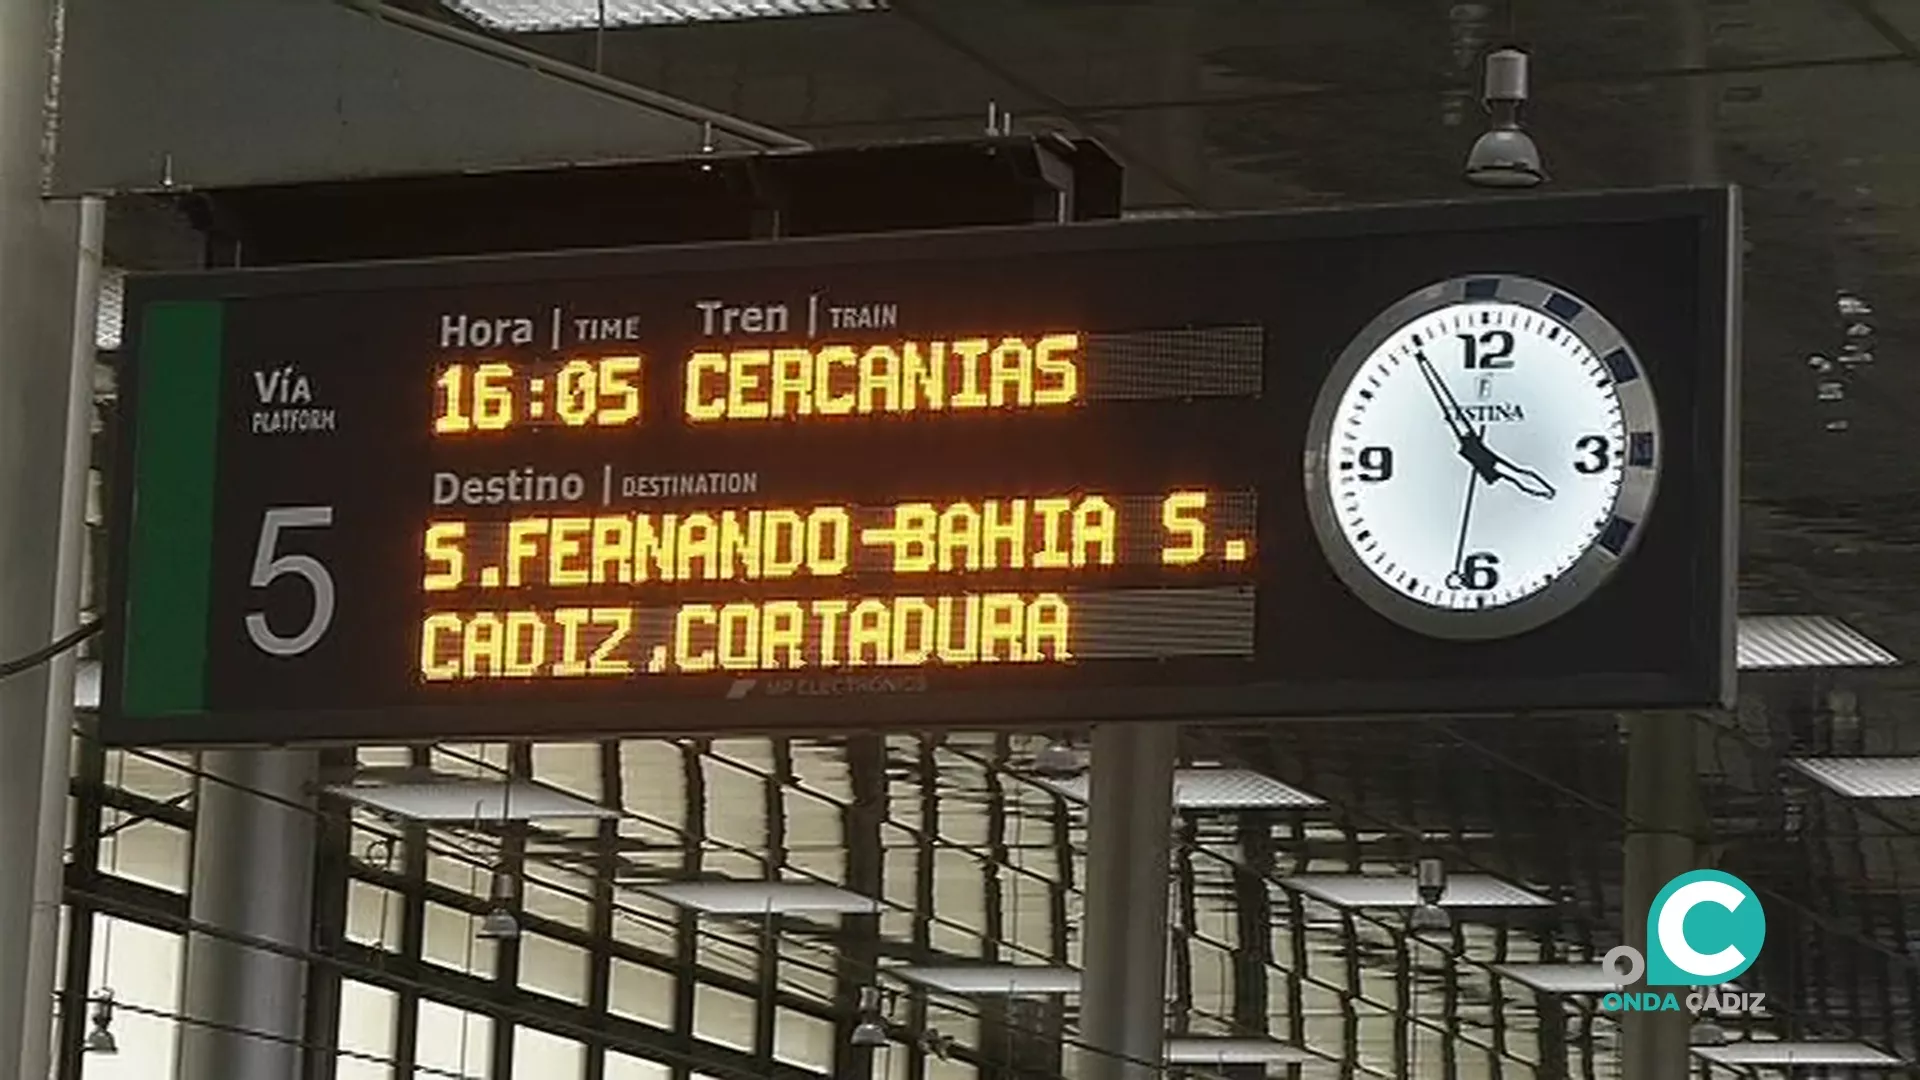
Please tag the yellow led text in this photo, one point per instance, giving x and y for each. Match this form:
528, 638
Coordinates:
910, 376
765, 635
1055, 533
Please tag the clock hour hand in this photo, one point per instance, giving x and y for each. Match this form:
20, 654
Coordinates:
1523, 478
1493, 468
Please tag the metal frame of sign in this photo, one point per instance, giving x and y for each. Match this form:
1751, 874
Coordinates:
883, 698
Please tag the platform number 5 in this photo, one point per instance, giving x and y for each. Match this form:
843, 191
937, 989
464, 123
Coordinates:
269, 567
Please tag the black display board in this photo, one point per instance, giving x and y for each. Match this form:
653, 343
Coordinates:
1010, 475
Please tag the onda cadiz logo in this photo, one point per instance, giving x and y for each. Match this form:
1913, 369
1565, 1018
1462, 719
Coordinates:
1705, 928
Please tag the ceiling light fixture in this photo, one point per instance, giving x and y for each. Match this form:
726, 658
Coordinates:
100, 1040
500, 924
1401, 891
545, 16
1232, 1051
471, 800
1430, 885
993, 980
1212, 789
1587, 978
1865, 777
1505, 155
764, 898
1767, 642
1855, 1054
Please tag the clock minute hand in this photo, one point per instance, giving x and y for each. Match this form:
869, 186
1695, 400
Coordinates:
1449, 409
1473, 448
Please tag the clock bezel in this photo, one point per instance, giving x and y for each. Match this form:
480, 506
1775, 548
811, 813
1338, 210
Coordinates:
1638, 485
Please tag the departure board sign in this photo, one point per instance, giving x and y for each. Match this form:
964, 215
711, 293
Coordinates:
1005, 476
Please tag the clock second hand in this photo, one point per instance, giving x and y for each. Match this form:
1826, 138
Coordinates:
1456, 579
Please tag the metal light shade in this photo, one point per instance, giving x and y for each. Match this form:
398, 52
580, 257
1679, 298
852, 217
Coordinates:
1057, 759
1707, 1033
869, 1033
1505, 157
100, 1040
499, 925
1429, 918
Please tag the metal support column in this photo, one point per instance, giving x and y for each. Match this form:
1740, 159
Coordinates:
45, 290
1124, 953
253, 858
1663, 822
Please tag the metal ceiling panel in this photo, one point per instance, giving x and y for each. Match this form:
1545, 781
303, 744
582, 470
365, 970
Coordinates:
540, 16
203, 93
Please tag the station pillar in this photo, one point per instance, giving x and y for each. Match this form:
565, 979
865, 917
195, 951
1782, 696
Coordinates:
1663, 820
46, 290
253, 859
1123, 957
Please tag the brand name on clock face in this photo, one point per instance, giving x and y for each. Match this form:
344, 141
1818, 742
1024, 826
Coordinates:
1497, 412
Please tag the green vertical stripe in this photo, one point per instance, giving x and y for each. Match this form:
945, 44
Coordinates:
170, 561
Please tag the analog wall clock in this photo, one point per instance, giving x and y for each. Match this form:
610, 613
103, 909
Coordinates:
1482, 457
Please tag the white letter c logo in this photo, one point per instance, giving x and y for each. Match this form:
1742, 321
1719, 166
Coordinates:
1673, 935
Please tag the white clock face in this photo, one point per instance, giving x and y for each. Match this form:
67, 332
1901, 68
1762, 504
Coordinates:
1482, 457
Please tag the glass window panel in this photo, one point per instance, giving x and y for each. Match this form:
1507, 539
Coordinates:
731, 863
451, 941
736, 806
640, 993
141, 965
730, 948
754, 754
807, 968
540, 1056
626, 1067
963, 822
896, 924
895, 1062
457, 872
947, 1069
1028, 909
1212, 977
572, 767
384, 757
485, 760
816, 841
806, 1041
652, 783
900, 873
822, 769
723, 1017
141, 774
956, 1021
959, 889
567, 903
553, 967
145, 850
645, 923
375, 841
373, 915
454, 1040
366, 1029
